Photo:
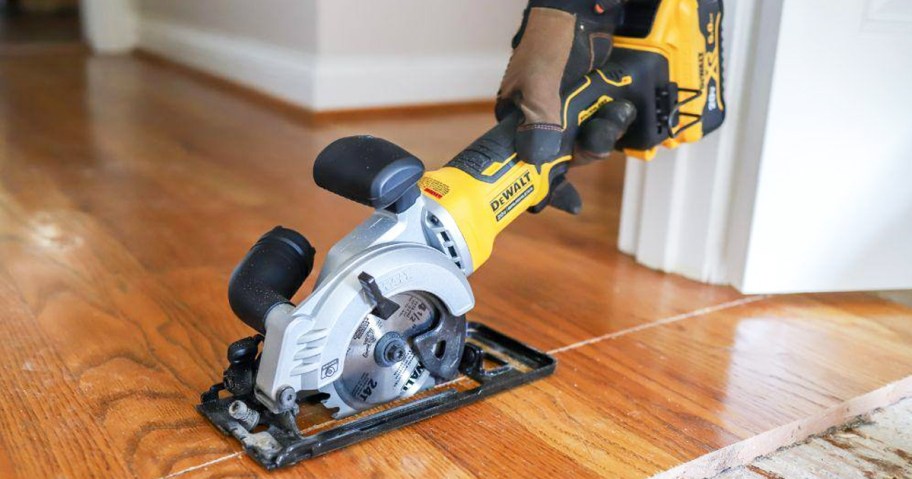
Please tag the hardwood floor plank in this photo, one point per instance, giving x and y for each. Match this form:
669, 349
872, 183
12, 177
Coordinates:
46, 428
130, 350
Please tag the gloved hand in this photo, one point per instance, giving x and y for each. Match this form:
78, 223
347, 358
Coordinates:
558, 43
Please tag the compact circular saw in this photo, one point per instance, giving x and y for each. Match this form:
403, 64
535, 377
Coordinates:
383, 340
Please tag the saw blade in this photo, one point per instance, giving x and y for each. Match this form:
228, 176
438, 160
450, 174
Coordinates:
380, 365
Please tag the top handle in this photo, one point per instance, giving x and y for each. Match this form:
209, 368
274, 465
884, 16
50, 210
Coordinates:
633, 76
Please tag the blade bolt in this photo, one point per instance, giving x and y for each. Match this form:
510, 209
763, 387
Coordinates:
244, 415
395, 353
390, 349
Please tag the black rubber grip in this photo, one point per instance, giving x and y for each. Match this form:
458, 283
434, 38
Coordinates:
370, 171
273, 270
632, 75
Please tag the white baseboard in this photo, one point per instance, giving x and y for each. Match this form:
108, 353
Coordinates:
278, 72
320, 84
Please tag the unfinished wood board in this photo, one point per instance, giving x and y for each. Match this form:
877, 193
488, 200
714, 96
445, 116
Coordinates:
875, 446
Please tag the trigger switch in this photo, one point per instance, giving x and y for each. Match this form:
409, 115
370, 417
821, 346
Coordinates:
565, 198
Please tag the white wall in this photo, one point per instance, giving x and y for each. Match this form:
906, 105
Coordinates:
418, 27
285, 24
330, 55
833, 204
413, 51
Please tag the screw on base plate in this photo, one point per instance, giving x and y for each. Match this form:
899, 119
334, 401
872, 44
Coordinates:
285, 399
244, 415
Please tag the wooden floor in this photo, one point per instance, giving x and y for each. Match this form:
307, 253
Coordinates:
129, 190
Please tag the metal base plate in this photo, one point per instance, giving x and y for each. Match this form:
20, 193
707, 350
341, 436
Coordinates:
494, 361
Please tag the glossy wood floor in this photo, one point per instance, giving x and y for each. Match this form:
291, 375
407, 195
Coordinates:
129, 190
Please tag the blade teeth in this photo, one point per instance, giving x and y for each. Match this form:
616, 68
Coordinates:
343, 410
333, 401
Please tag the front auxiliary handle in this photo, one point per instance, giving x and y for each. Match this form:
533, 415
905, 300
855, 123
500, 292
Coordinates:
269, 275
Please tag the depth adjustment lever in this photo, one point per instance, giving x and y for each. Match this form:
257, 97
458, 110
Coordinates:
383, 306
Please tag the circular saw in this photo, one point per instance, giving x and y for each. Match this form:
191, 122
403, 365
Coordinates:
382, 341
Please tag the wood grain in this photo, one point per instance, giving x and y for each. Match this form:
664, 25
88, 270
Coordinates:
128, 191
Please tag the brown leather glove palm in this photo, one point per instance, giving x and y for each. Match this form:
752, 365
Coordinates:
559, 42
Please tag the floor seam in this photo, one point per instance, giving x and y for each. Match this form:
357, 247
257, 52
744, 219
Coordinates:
205, 464
661, 322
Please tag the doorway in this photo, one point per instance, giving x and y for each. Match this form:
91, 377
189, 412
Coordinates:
25, 24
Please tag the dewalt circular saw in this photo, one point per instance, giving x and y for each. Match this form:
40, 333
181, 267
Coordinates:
383, 340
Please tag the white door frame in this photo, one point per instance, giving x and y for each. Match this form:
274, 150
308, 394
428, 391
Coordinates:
110, 26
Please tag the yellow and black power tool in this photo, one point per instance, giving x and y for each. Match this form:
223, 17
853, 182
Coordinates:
387, 317
667, 61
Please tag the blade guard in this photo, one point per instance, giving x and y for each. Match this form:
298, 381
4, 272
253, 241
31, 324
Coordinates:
306, 348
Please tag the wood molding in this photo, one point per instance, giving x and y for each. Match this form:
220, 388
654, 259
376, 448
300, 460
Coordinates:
275, 71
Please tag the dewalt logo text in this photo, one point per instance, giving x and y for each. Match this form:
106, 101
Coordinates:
512, 195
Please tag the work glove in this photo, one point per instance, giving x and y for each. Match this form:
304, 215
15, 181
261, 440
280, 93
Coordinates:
558, 43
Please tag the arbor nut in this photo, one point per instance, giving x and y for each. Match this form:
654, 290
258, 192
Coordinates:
390, 349
247, 417
394, 353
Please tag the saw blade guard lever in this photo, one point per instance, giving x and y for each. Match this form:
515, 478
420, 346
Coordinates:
269, 275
